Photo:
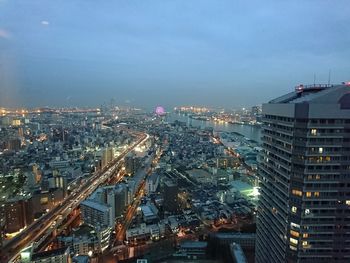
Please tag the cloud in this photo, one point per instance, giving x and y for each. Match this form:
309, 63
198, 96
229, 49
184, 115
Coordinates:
4, 34
45, 23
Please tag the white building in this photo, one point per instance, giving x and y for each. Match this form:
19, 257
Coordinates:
96, 214
152, 183
60, 255
154, 231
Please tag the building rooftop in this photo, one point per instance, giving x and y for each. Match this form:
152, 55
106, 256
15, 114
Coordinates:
235, 235
94, 205
318, 93
146, 210
170, 183
83, 230
81, 259
50, 253
241, 186
194, 244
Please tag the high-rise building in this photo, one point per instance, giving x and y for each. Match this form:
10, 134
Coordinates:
170, 193
107, 156
152, 183
114, 196
117, 198
131, 164
304, 206
15, 215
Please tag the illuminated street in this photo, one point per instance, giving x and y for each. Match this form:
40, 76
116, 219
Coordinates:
38, 229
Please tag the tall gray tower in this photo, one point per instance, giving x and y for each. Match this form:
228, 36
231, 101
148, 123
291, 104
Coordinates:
304, 206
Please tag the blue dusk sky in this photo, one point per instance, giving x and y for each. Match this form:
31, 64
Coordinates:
222, 53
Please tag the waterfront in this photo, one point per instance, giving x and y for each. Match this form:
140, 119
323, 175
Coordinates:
249, 131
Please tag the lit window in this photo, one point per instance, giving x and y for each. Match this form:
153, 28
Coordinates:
294, 209
294, 225
305, 235
347, 202
316, 194
293, 248
313, 132
305, 243
308, 194
297, 192
307, 211
320, 150
293, 241
317, 177
294, 233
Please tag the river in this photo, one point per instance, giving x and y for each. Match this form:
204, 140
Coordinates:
249, 131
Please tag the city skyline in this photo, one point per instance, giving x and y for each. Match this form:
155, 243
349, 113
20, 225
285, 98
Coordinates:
227, 54
174, 131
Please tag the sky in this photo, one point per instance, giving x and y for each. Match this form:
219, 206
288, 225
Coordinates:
218, 53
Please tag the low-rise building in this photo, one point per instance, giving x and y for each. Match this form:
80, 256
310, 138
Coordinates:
192, 250
145, 232
245, 240
82, 241
61, 255
96, 214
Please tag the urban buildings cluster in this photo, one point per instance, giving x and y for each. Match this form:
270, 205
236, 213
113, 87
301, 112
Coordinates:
44, 157
158, 189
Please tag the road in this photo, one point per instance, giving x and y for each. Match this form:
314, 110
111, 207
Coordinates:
36, 231
122, 227
120, 236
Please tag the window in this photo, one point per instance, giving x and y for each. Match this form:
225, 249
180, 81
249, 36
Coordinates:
44, 200
294, 233
293, 241
307, 211
294, 225
305, 235
294, 209
320, 150
347, 202
297, 192
305, 243
293, 248
313, 132
308, 194
316, 194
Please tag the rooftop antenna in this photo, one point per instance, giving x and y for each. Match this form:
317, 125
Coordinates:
329, 77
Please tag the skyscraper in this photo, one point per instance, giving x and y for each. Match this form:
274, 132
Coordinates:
171, 202
304, 206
